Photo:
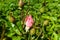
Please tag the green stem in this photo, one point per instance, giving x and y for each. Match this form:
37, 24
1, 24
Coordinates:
39, 34
3, 32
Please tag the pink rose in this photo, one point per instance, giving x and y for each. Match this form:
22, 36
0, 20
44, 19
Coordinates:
29, 22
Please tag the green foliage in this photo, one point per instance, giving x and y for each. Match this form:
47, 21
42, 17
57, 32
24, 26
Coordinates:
40, 13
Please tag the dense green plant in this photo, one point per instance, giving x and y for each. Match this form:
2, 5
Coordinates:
46, 15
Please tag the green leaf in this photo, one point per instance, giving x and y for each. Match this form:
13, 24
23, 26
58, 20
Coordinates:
16, 38
55, 36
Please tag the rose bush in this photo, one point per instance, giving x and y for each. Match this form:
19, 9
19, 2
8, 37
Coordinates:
43, 19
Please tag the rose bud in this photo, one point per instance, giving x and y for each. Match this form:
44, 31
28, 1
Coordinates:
42, 9
11, 19
21, 3
28, 22
32, 31
45, 22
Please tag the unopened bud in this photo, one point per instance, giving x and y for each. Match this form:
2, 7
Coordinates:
21, 3
32, 31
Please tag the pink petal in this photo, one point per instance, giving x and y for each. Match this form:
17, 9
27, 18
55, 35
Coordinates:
29, 21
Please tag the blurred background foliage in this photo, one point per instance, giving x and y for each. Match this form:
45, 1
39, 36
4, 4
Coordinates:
46, 14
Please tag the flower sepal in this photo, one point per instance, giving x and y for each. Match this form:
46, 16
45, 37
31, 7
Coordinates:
27, 28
